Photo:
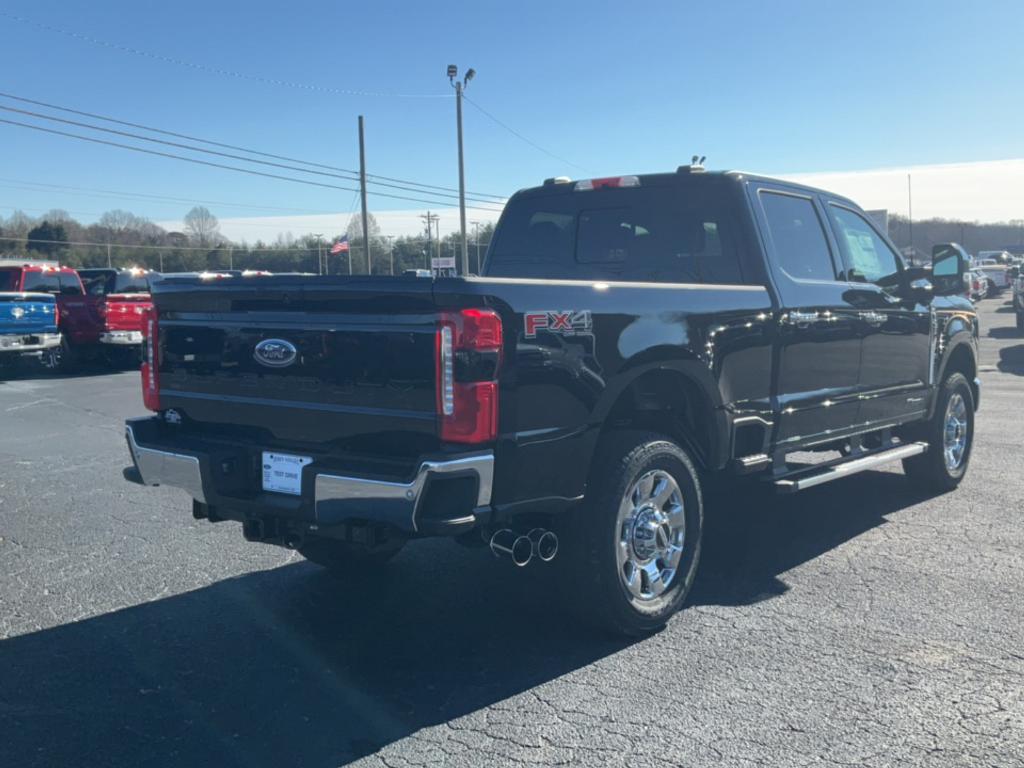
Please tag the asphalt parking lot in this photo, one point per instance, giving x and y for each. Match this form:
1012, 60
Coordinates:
858, 623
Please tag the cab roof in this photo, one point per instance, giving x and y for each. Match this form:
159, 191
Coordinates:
692, 174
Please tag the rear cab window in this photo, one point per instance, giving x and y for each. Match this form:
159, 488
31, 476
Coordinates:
41, 282
128, 283
663, 233
9, 279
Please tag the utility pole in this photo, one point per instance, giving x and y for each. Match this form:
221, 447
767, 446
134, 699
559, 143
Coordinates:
362, 194
910, 212
319, 253
160, 255
391, 252
476, 241
460, 86
108, 255
431, 220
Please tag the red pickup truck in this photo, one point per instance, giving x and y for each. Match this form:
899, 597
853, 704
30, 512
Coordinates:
100, 309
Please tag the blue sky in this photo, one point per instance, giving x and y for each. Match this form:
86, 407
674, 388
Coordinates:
779, 87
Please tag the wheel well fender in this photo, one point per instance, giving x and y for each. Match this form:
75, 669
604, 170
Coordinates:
676, 399
959, 356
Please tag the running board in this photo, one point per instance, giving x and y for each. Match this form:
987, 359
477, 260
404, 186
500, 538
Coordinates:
817, 476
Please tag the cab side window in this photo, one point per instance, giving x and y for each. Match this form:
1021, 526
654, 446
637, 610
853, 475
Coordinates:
801, 248
70, 285
869, 259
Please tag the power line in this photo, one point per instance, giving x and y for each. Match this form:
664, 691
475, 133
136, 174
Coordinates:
214, 70
217, 153
115, 194
117, 121
520, 136
210, 164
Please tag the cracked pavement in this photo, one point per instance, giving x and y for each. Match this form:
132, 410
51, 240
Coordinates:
857, 623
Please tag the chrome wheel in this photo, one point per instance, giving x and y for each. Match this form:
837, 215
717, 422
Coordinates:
955, 433
651, 535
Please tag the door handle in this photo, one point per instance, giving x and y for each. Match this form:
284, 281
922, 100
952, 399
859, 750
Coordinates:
799, 318
874, 318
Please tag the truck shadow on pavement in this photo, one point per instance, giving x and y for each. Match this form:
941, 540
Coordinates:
289, 667
1011, 360
752, 534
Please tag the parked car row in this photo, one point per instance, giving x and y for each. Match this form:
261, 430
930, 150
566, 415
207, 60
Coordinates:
62, 316
988, 274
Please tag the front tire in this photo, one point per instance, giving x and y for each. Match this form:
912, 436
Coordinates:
950, 437
640, 530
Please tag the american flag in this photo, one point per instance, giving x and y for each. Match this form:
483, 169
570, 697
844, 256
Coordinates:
341, 246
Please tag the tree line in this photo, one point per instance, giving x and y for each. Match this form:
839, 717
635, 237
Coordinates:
120, 238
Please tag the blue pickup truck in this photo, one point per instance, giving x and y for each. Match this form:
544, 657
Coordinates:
28, 326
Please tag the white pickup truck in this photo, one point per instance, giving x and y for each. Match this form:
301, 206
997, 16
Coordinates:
997, 274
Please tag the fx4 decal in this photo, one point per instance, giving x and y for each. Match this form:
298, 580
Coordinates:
569, 322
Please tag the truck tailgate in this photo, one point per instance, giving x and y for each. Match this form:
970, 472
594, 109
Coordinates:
123, 311
345, 362
27, 313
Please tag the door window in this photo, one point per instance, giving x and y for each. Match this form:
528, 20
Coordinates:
801, 248
70, 285
869, 259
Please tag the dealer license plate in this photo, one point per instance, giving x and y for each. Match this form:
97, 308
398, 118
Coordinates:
282, 472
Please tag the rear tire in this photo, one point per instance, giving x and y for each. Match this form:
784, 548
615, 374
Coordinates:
950, 437
636, 540
62, 359
345, 560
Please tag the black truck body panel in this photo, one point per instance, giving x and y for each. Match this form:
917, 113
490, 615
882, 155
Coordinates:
763, 365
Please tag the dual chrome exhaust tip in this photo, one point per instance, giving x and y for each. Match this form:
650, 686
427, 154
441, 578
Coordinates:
522, 548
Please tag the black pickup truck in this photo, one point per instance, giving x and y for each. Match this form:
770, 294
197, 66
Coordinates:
629, 338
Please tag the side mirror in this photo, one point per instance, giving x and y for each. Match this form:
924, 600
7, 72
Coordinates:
948, 267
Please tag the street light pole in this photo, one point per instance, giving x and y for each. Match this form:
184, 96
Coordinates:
362, 194
460, 86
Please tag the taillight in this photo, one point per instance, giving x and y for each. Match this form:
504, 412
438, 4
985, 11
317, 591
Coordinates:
56, 313
151, 360
468, 360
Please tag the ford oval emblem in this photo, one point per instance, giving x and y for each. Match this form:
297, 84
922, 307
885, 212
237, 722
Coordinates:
275, 353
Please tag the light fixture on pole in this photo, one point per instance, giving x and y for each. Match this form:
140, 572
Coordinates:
460, 86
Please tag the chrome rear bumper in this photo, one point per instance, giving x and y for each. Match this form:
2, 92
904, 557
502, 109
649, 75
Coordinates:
155, 467
28, 342
121, 337
335, 497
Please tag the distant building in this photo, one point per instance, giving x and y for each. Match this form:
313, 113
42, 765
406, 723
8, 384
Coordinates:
881, 217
